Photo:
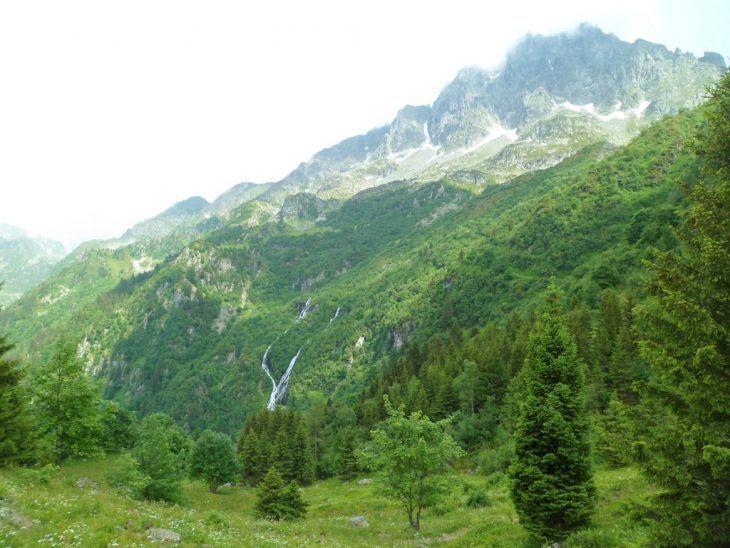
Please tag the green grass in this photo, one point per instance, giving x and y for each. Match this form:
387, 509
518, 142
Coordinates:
67, 515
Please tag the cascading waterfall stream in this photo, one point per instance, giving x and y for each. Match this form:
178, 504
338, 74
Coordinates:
305, 310
279, 390
337, 313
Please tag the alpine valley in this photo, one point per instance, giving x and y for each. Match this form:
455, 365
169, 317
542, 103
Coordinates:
387, 263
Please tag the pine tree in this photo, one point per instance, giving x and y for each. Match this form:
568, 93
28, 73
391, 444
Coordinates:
293, 503
269, 504
552, 486
301, 448
278, 501
249, 454
687, 327
347, 465
15, 423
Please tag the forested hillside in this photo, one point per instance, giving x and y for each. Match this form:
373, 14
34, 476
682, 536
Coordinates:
518, 349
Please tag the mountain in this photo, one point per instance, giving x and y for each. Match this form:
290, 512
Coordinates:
386, 237
164, 223
554, 95
25, 261
395, 263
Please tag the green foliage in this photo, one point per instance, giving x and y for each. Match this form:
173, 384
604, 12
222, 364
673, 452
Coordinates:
687, 329
214, 459
162, 454
16, 440
478, 499
126, 477
191, 346
552, 485
412, 453
117, 427
347, 464
276, 438
613, 433
66, 405
277, 500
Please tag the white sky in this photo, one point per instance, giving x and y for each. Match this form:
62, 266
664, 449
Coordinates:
110, 112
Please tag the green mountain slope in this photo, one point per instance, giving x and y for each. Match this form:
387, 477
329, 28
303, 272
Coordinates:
25, 261
399, 262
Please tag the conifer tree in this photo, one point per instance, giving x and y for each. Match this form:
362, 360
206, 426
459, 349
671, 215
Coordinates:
552, 486
294, 505
249, 454
347, 465
278, 501
687, 344
15, 424
269, 504
301, 448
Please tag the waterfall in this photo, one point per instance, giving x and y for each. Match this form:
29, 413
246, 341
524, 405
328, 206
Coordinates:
278, 390
303, 313
337, 313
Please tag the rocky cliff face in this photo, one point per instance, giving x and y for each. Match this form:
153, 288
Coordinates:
553, 95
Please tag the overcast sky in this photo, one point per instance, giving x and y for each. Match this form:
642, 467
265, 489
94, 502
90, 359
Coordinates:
110, 112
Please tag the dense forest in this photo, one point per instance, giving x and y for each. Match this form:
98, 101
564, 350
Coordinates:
571, 321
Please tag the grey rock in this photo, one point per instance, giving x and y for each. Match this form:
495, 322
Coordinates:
364, 481
163, 535
359, 521
15, 518
86, 483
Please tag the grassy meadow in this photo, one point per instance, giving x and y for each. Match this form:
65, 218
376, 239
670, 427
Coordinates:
66, 514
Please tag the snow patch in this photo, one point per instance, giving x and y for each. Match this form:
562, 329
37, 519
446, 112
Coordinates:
617, 114
495, 132
588, 107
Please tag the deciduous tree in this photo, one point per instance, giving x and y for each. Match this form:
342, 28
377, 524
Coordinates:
412, 453
214, 459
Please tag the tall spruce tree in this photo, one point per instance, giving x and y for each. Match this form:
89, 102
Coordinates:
15, 424
277, 500
687, 344
552, 485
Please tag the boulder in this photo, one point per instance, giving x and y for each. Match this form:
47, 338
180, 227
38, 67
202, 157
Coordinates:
15, 518
163, 535
364, 481
86, 483
359, 521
